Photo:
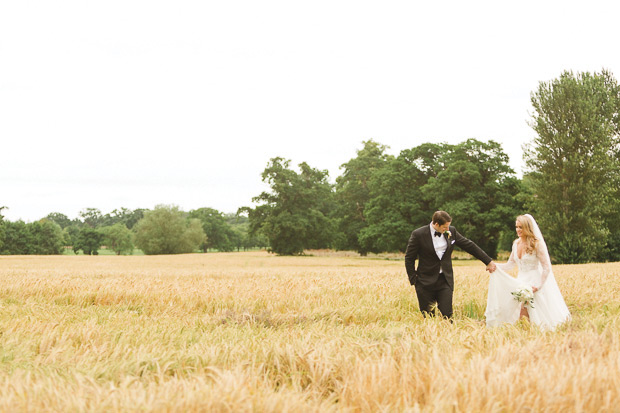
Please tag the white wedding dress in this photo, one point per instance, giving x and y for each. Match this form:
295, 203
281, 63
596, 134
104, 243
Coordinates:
549, 309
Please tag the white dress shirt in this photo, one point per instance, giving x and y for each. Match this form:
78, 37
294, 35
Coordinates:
440, 243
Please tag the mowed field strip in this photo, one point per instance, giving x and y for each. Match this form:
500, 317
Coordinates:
257, 332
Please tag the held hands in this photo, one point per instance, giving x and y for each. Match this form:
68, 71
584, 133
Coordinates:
534, 289
491, 267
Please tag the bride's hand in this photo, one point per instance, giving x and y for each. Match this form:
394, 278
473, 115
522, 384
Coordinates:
534, 289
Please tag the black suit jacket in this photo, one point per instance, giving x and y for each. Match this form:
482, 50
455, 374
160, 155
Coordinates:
421, 246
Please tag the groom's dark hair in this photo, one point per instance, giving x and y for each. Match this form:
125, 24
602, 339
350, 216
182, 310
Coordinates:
441, 217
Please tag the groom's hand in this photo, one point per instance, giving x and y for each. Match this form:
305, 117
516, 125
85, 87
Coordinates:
491, 267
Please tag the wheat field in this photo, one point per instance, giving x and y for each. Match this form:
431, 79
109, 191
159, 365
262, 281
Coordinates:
239, 332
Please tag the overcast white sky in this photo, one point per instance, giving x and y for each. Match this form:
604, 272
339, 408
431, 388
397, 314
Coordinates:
133, 103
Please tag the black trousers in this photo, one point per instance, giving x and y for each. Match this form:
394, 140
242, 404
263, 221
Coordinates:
439, 293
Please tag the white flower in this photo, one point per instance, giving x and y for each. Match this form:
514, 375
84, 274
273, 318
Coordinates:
449, 233
524, 295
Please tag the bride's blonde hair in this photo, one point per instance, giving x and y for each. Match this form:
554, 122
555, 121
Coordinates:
531, 242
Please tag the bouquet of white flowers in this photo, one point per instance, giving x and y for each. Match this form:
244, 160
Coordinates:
524, 295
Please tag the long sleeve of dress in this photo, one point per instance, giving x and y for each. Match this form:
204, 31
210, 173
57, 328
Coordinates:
511, 261
543, 257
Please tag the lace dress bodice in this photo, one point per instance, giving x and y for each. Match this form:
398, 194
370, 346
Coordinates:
529, 262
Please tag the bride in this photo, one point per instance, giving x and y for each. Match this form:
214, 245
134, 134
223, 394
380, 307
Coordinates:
530, 255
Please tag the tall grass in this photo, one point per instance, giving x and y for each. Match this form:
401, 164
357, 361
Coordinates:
254, 332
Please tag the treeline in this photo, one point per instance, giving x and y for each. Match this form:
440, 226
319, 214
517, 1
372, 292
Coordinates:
163, 230
379, 199
572, 185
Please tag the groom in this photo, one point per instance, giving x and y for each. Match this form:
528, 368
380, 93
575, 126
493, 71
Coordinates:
432, 245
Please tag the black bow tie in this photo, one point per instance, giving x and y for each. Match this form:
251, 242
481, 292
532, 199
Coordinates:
437, 234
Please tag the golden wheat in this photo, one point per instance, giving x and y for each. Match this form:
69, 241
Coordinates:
256, 332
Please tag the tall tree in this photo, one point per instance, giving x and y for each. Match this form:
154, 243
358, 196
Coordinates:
132, 218
47, 237
123, 216
478, 187
471, 180
166, 230
353, 193
92, 217
294, 215
40, 238
220, 234
118, 238
397, 203
88, 240
17, 239
71, 234
574, 163
60, 219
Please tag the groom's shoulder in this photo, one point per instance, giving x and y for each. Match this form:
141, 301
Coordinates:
421, 230
453, 230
